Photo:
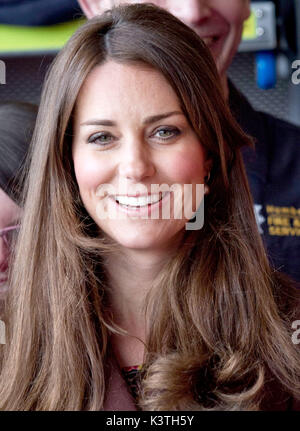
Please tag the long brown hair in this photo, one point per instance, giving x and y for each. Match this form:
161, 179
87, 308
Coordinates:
215, 329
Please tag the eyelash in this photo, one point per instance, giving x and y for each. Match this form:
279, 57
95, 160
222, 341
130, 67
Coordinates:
174, 130
93, 139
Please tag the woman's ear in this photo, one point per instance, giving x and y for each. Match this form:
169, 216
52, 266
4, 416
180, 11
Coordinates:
94, 7
207, 167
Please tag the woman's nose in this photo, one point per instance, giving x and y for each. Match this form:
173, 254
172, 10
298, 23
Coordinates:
3, 256
192, 12
136, 163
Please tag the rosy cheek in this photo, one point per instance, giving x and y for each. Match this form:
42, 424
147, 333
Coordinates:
187, 168
90, 172
234, 12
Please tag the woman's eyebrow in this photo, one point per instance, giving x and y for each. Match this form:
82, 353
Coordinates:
96, 122
155, 118
148, 120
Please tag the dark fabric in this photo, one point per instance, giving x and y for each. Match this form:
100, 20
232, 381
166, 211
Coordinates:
38, 12
132, 377
17, 122
277, 399
274, 175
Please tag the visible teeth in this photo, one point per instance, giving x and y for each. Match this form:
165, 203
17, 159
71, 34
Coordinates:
208, 40
139, 201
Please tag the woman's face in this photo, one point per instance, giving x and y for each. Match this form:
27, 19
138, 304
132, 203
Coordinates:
130, 134
9, 215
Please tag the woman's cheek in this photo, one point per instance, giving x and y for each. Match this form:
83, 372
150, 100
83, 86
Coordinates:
236, 11
89, 172
187, 168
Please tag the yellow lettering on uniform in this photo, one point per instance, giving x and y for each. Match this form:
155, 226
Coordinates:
286, 221
281, 221
283, 231
274, 230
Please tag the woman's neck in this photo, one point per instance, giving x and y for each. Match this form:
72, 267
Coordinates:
131, 274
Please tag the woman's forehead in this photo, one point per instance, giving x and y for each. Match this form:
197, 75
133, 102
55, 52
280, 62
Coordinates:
112, 88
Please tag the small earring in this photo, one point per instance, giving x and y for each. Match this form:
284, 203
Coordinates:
206, 188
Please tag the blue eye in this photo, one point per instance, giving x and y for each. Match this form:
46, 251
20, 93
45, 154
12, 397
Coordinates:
165, 133
102, 138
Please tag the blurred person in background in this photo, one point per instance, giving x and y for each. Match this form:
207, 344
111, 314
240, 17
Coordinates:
274, 168
17, 122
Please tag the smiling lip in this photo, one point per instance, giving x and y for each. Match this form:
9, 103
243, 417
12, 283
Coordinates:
143, 210
210, 40
136, 195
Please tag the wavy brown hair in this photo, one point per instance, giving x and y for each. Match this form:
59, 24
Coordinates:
218, 328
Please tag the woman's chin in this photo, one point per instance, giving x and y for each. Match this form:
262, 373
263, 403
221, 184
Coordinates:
139, 243
157, 240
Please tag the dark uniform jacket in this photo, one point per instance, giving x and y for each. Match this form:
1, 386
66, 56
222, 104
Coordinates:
274, 175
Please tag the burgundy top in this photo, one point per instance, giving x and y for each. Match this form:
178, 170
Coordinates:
120, 396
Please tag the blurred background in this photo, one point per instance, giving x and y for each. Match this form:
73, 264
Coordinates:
33, 31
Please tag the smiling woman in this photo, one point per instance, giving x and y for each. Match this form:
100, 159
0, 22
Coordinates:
195, 319
144, 139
